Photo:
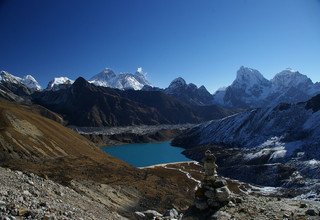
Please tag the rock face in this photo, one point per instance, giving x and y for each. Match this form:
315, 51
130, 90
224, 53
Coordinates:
213, 193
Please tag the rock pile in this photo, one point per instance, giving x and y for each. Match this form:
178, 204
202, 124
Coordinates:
213, 193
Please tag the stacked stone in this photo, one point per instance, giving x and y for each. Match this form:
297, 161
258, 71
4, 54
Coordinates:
213, 193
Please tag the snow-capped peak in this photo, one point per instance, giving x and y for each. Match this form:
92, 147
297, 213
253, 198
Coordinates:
249, 77
289, 77
104, 75
31, 82
59, 83
28, 81
7, 77
108, 78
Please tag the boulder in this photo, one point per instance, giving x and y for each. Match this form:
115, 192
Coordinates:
201, 204
151, 214
311, 212
223, 194
140, 215
220, 215
172, 213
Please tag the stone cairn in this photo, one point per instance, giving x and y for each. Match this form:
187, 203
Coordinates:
213, 193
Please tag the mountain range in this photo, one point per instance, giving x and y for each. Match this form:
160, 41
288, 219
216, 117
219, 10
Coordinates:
86, 105
250, 89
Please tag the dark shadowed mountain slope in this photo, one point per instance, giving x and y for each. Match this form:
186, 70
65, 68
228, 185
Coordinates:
84, 104
187, 93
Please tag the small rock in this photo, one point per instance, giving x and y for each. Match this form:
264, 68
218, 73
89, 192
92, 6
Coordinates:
49, 217
201, 204
285, 215
223, 194
231, 204
209, 194
311, 212
140, 215
26, 193
303, 205
22, 211
219, 183
30, 182
152, 214
172, 213
2, 203
19, 173
238, 200
220, 215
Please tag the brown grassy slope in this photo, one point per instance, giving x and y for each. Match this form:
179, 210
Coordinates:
25, 134
31, 142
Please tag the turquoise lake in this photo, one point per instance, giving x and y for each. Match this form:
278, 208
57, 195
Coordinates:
141, 155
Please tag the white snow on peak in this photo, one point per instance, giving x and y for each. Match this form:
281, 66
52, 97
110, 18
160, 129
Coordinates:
108, 78
28, 80
31, 82
58, 83
249, 77
251, 89
289, 77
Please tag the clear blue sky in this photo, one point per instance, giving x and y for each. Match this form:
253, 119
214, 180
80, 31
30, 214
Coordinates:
205, 42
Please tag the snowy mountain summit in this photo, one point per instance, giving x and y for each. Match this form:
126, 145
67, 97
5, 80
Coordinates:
108, 78
252, 89
59, 83
28, 80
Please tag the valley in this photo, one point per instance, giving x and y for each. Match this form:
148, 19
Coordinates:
111, 148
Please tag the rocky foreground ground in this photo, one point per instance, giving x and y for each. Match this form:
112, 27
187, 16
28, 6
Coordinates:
28, 196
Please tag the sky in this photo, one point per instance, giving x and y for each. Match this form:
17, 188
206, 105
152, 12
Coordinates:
203, 41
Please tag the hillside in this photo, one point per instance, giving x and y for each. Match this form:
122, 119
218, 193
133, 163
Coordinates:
279, 144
